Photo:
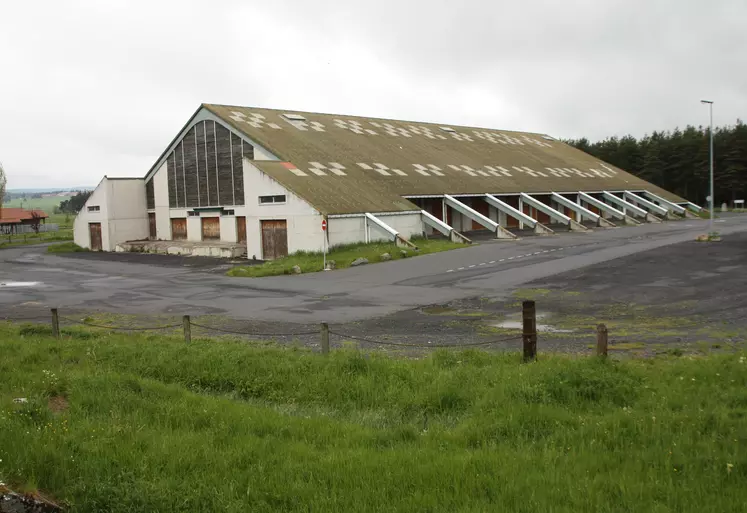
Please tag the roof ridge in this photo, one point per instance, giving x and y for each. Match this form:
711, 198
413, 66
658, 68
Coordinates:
434, 123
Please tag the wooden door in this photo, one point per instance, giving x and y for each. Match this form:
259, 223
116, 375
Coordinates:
241, 229
274, 239
179, 228
152, 224
483, 208
511, 222
211, 228
95, 230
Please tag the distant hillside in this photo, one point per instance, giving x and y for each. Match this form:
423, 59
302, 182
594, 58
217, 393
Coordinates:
50, 190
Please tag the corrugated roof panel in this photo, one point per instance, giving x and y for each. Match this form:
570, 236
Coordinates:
387, 159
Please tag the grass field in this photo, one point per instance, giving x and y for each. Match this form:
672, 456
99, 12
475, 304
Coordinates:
343, 256
147, 423
45, 204
23, 239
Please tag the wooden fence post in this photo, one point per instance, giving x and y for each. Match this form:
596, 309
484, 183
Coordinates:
602, 340
55, 324
529, 335
187, 329
325, 337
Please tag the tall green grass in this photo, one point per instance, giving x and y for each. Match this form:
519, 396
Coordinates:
157, 425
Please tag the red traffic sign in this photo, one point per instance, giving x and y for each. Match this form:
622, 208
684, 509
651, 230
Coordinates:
324, 225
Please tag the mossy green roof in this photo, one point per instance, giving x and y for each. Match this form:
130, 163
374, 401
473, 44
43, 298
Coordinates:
350, 164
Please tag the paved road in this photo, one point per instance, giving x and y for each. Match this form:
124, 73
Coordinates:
30, 275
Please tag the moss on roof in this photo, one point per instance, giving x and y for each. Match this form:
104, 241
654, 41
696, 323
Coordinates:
467, 160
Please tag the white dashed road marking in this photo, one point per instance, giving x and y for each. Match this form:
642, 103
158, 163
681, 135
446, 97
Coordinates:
517, 257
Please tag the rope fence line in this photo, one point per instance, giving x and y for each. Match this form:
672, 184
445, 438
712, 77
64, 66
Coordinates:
528, 336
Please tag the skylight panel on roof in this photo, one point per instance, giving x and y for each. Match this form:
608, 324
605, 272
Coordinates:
548, 138
447, 129
294, 117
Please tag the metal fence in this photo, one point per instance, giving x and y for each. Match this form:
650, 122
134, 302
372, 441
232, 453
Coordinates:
25, 228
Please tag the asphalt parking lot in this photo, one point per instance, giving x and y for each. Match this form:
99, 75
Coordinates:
452, 297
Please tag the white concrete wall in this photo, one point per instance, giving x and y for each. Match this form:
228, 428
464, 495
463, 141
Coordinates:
228, 229
408, 225
128, 214
161, 194
304, 222
345, 230
123, 215
81, 231
194, 228
350, 230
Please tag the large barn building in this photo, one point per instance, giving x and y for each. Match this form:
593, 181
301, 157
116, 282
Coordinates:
259, 182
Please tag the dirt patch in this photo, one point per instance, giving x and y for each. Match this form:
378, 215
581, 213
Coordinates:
219, 265
58, 404
32, 502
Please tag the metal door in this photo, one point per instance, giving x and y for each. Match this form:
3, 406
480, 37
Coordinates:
152, 224
95, 230
179, 228
241, 229
211, 228
274, 239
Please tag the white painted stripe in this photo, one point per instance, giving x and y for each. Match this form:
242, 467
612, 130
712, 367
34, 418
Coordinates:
338, 172
502, 260
471, 266
481, 172
437, 173
510, 258
383, 172
399, 172
364, 166
450, 271
318, 172
297, 172
492, 261
483, 263
538, 252
420, 171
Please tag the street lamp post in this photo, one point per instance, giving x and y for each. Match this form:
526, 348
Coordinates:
710, 222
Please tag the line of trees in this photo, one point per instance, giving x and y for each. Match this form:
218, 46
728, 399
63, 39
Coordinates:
74, 204
679, 160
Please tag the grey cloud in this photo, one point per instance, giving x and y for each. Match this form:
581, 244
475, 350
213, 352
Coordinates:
105, 85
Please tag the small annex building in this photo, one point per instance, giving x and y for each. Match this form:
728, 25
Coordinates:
20, 220
259, 182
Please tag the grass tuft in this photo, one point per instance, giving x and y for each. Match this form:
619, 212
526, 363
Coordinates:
65, 247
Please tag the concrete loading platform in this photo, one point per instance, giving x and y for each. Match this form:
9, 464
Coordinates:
186, 248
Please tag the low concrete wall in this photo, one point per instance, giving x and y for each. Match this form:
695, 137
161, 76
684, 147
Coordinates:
183, 248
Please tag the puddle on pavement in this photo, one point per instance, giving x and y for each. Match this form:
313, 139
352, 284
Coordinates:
516, 324
19, 284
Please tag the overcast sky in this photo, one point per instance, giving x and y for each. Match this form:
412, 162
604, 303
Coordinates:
89, 88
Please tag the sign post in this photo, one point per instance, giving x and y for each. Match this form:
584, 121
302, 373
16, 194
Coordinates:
324, 244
